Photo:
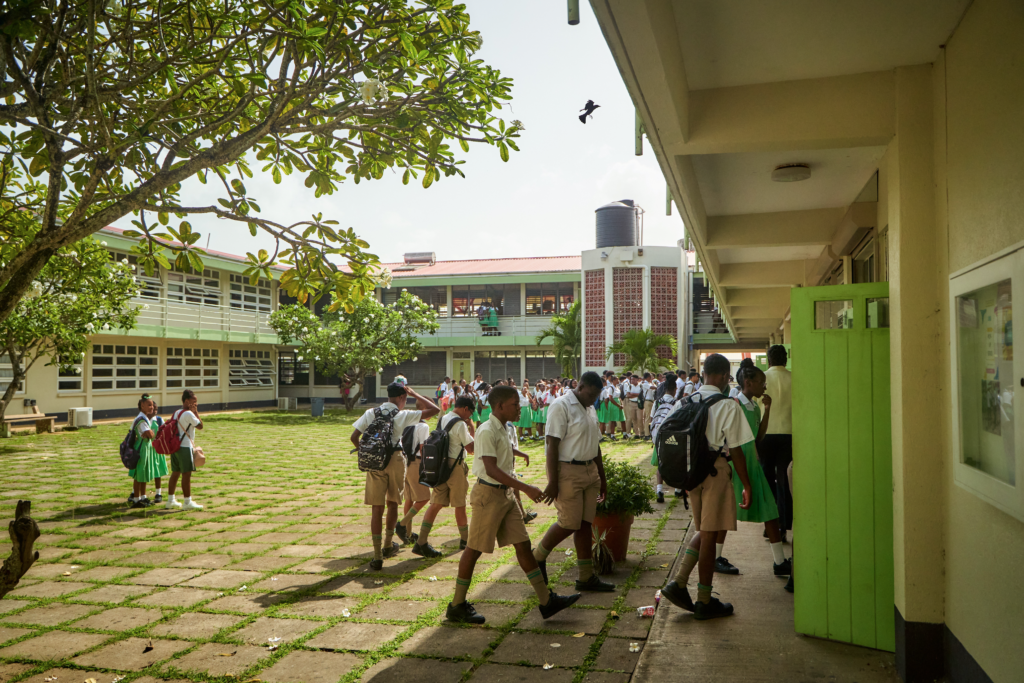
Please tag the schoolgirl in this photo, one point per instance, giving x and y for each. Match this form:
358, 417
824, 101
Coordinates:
483, 407
525, 424
615, 412
151, 465
540, 414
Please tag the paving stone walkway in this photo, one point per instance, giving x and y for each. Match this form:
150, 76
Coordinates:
270, 581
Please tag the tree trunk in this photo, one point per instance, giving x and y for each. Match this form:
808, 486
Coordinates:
18, 376
24, 531
352, 400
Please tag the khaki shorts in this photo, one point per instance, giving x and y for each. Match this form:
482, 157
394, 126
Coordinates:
578, 488
386, 485
496, 517
414, 490
181, 460
714, 501
453, 492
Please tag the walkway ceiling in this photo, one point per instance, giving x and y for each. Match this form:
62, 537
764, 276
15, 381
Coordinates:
730, 89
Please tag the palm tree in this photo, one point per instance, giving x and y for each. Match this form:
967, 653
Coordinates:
641, 350
567, 333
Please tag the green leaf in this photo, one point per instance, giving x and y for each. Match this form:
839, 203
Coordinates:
276, 174
503, 150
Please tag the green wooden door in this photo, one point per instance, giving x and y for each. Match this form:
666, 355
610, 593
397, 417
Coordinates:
842, 464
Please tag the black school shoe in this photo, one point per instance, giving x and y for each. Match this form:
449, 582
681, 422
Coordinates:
677, 595
395, 547
661, 497
723, 566
679, 493
529, 517
711, 610
376, 565
464, 613
426, 550
789, 584
557, 603
462, 545
784, 568
402, 533
595, 585
157, 499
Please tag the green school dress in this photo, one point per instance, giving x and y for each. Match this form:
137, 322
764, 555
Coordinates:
151, 464
540, 416
602, 412
614, 413
762, 501
525, 416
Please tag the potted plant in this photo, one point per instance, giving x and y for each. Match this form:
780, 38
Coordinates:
629, 494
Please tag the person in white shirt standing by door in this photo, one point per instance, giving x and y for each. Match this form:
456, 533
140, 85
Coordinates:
634, 413
648, 388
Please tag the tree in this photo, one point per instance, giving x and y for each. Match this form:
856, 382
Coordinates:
77, 294
642, 350
566, 331
108, 106
353, 345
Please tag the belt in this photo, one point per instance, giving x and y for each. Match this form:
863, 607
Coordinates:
496, 486
577, 462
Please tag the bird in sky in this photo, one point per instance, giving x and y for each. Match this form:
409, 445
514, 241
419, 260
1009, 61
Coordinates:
588, 110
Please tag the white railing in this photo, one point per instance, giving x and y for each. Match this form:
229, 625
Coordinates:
171, 313
508, 325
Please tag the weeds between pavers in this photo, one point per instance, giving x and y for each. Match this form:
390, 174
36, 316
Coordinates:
78, 488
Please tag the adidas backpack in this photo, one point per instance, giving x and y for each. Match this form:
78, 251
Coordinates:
684, 457
435, 467
130, 456
375, 446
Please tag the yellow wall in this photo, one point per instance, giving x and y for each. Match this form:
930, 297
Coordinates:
982, 190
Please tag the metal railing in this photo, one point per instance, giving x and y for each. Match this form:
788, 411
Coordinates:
171, 313
508, 326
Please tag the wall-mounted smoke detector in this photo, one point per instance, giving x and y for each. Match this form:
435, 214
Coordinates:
791, 173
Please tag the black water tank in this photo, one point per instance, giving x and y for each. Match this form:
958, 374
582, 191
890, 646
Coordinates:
616, 224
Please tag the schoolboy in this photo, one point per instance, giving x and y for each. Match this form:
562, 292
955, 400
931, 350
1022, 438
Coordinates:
416, 495
713, 501
576, 481
182, 462
384, 487
634, 413
496, 517
648, 388
453, 492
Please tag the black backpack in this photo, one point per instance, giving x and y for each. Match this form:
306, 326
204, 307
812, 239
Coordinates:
375, 447
435, 468
684, 458
130, 456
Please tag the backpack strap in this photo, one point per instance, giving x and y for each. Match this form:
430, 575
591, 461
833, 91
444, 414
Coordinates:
448, 430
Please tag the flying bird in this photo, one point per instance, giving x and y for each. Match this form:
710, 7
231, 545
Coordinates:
588, 110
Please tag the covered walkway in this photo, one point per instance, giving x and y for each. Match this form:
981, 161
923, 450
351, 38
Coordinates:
757, 643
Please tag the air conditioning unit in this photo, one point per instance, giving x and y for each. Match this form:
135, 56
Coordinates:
80, 417
288, 403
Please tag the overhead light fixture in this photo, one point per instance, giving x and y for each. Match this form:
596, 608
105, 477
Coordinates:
791, 173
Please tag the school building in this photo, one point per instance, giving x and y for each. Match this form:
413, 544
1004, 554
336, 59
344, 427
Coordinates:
849, 175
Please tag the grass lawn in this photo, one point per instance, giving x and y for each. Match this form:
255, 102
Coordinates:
270, 581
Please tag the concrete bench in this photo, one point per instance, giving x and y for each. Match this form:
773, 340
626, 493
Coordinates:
43, 423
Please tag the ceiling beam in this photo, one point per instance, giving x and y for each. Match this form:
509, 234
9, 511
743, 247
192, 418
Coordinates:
762, 274
775, 311
857, 110
745, 325
776, 229
757, 296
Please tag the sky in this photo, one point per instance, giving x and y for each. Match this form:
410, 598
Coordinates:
540, 203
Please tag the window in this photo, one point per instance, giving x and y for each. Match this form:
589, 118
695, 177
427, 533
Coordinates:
551, 298
150, 285
250, 297
292, 370
194, 288
250, 368
192, 368
7, 375
70, 378
495, 365
125, 367
878, 313
426, 371
833, 315
541, 365
466, 299
435, 297
864, 263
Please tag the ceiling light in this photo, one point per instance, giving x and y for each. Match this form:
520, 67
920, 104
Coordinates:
791, 173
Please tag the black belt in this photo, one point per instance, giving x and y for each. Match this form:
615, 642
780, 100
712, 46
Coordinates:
577, 462
487, 483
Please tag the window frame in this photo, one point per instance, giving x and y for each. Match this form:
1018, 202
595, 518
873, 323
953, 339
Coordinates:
209, 366
250, 368
115, 366
239, 288
4, 385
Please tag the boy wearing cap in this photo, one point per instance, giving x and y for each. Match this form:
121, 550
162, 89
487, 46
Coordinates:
384, 487
496, 516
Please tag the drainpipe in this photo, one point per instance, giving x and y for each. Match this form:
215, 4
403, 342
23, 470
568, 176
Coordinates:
574, 12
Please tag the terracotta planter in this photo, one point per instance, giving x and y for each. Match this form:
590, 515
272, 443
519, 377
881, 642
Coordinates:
618, 528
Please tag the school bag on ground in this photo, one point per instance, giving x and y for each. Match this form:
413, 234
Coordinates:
435, 468
684, 457
375, 447
167, 441
130, 456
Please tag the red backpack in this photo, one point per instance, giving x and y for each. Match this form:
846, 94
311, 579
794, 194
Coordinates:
167, 440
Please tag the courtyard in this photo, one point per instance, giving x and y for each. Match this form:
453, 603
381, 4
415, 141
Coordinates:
270, 582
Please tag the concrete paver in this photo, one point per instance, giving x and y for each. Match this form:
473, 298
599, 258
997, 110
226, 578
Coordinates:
220, 659
401, 670
120, 619
543, 648
354, 636
132, 654
449, 642
501, 673
51, 615
53, 645
302, 666
264, 629
196, 625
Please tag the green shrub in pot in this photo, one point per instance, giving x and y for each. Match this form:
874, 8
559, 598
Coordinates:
629, 490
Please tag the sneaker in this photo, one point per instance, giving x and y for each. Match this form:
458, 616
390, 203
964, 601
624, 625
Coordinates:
426, 550
543, 564
595, 585
402, 533
157, 499
463, 613
395, 547
529, 517
723, 566
789, 584
376, 565
462, 545
677, 595
661, 497
171, 504
191, 505
415, 538
784, 568
712, 609
557, 603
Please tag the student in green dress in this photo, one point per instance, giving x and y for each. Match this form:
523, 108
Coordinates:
751, 380
525, 423
151, 465
616, 417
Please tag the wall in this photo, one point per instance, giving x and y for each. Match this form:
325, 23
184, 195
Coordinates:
983, 145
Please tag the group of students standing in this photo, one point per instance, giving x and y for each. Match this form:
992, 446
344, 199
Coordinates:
152, 466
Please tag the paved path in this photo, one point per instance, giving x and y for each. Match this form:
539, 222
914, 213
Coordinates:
758, 642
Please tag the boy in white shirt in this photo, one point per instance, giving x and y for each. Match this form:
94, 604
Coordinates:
182, 462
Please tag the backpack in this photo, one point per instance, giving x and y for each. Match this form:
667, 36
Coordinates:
684, 457
435, 469
167, 441
375, 447
662, 408
130, 456
640, 397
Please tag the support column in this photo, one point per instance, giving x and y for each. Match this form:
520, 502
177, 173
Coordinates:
917, 257
646, 293
609, 312
786, 332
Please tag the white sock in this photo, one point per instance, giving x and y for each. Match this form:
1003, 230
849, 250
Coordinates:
777, 553
170, 498
659, 488
157, 492
718, 549
188, 499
